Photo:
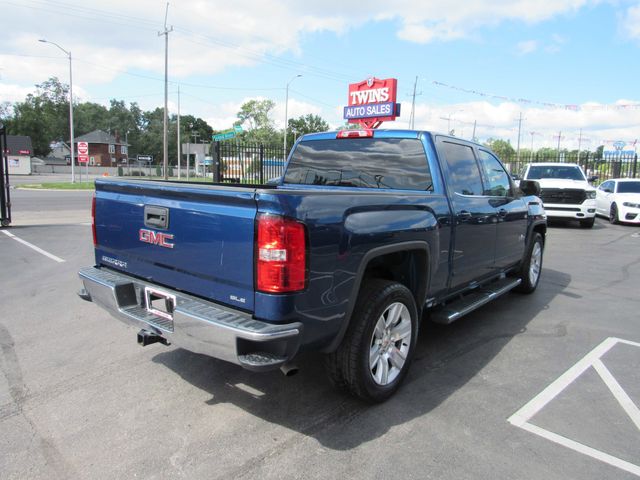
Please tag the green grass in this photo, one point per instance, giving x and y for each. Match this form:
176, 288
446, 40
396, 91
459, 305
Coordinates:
58, 186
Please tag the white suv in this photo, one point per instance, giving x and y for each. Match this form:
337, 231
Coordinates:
565, 191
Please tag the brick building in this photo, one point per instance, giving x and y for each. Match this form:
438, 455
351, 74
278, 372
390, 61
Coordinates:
105, 150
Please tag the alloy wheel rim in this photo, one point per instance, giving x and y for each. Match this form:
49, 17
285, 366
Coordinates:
390, 343
535, 264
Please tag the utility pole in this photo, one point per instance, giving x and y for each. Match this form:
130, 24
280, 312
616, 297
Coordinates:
579, 145
519, 129
473, 137
165, 139
531, 156
412, 119
286, 116
559, 137
178, 134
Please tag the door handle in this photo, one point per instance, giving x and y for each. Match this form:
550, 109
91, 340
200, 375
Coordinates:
463, 214
156, 217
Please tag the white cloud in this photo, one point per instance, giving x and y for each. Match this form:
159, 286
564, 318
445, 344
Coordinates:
631, 22
223, 116
14, 93
598, 123
527, 47
111, 36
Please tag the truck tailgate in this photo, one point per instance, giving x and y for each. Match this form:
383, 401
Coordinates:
197, 239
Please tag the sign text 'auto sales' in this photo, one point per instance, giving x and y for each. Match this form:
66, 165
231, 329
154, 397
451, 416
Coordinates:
372, 102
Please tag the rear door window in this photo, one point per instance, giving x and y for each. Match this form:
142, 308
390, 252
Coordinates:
396, 163
463, 169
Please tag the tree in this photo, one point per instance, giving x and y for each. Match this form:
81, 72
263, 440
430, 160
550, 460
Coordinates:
44, 116
90, 116
502, 148
305, 124
5, 112
256, 114
599, 152
192, 125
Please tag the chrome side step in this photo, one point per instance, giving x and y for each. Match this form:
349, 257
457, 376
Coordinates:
453, 311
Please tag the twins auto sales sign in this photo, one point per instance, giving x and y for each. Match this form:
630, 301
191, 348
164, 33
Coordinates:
372, 102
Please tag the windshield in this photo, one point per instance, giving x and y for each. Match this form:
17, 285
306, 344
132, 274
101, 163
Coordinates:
628, 187
565, 172
362, 162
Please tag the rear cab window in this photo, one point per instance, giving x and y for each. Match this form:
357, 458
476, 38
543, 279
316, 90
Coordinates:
389, 163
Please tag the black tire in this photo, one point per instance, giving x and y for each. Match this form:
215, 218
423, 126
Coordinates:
529, 281
588, 223
349, 367
613, 214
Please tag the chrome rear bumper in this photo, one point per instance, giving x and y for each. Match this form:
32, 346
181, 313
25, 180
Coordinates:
195, 324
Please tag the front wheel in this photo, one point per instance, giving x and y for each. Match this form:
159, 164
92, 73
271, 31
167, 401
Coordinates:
588, 223
613, 214
377, 349
532, 265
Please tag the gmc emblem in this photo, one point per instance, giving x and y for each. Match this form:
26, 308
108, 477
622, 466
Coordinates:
155, 238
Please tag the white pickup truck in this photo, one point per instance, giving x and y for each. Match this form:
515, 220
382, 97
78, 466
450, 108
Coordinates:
565, 191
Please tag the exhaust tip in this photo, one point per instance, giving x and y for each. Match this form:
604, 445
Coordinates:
289, 369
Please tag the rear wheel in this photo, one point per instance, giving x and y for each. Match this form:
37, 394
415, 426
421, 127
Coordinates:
375, 354
588, 223
532, 265
613, 214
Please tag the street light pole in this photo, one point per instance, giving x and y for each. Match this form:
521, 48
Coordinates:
286, 116
72, 140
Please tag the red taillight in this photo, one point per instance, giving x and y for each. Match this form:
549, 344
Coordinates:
281, 255
355, 134
93, 221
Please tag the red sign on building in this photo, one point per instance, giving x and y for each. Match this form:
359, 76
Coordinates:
372, 102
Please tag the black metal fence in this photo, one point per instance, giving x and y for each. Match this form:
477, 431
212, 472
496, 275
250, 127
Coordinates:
234, 162
622, 166
5, 197
246, 163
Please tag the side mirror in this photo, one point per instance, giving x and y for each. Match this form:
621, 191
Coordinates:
608, 190
592, 178
530, 187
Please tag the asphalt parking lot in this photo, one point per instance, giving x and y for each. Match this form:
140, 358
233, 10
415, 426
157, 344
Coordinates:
545, 386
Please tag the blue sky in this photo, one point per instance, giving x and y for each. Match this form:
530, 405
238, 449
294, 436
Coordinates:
566, 52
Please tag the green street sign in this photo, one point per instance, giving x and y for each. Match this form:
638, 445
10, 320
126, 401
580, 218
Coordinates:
223, 136
227, 134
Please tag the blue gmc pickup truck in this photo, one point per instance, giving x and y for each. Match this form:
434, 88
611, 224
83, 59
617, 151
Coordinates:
364, 234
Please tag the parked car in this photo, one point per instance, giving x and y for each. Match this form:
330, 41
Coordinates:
618, 199
565, 191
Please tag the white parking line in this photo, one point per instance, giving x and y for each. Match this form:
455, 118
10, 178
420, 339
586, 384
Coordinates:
592, 359
621, 396
30, 245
